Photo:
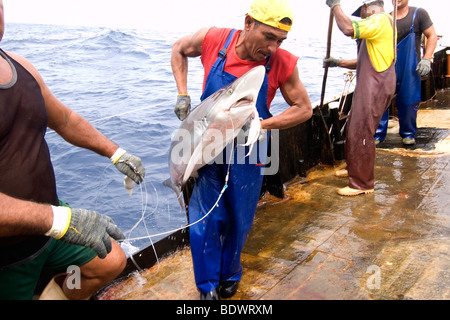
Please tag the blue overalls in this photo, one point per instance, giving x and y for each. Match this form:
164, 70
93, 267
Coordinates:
217, 241
408, 89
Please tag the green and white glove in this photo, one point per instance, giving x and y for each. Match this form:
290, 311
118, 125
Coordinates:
85, 228
129, 165
183, 106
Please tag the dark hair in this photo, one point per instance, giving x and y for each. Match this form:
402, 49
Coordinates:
286, 21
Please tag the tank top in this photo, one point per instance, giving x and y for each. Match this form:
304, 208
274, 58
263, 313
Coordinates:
26, 171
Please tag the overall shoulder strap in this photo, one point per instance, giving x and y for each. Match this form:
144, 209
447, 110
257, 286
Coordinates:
223, 51
414, 19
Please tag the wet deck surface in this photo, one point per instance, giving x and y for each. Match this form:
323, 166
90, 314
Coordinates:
393, 244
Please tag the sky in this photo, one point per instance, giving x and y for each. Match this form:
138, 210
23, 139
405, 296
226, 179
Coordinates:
310, 16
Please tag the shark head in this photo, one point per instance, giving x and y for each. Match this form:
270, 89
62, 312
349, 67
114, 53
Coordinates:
215, 123
243, 92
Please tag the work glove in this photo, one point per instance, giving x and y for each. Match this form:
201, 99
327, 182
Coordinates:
183, 106
85, 228
424, 67
333, 3
330, 62
129, 165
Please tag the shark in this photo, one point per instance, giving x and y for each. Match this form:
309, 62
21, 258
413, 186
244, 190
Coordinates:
214, 124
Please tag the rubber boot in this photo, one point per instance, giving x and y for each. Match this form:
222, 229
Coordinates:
343, 173
349, 192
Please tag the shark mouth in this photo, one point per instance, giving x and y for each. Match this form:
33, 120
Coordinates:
245, 101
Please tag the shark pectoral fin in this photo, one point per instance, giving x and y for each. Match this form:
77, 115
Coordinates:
196, 159
169, 184
253, 132
249, 151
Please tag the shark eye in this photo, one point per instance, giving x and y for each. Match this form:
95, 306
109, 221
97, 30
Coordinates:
230, 91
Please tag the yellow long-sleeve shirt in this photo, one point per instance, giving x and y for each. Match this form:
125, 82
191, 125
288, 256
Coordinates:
378, 32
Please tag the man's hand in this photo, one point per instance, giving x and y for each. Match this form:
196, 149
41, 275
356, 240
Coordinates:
132, 167
85, 228
330, 62
333, 3
129, 165
424, 67
183, 106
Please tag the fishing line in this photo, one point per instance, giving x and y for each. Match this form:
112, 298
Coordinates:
216, 204
144, 206
144, 203
50, 131
120, 114
144, 199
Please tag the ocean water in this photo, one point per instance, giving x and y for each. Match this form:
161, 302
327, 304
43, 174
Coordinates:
121, 81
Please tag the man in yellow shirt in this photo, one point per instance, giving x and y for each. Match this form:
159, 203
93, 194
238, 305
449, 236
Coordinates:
375, 88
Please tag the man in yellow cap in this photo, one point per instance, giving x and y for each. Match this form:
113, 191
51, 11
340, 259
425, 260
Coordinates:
227, 54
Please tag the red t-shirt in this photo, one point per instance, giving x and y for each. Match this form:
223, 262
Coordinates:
282, 63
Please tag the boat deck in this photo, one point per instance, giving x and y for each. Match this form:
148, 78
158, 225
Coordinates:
315, 244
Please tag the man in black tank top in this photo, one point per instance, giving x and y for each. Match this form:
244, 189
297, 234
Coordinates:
37, 231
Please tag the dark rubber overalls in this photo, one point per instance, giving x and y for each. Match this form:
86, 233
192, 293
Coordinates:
408, 89
217, 241
373, 94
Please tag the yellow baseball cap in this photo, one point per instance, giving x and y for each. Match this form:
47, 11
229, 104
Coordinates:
271, 12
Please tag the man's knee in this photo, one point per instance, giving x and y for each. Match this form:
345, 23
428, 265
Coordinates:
106, 269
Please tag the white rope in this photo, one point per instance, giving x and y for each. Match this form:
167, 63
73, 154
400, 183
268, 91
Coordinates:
144, 205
